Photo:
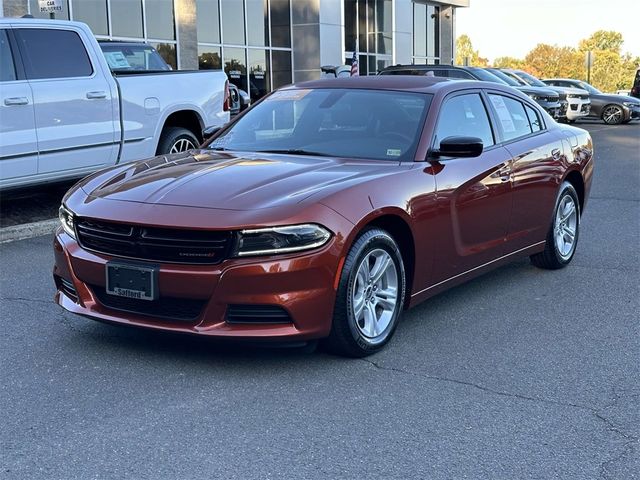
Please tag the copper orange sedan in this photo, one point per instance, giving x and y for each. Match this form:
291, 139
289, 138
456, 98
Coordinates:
325, 211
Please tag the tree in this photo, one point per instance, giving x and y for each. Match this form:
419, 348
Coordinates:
464, 50
508, 62
602, 40
552, 61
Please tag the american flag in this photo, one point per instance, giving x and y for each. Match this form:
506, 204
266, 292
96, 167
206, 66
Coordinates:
354, 65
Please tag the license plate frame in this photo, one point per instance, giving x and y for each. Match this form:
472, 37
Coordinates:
132, 280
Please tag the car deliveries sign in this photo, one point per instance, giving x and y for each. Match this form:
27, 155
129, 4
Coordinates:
50, 6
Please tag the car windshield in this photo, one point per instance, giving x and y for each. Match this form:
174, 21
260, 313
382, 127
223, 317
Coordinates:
589, 88
506, 78
487, 76
530, 79
127, 58
349, 123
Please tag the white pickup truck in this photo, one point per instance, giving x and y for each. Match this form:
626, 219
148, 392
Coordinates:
64, 114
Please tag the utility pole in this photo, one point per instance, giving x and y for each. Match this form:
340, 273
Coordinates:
589, 63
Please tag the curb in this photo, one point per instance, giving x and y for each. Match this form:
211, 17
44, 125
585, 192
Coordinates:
28, 230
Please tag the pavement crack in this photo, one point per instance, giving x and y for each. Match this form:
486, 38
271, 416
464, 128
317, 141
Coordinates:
629, 439
29, 300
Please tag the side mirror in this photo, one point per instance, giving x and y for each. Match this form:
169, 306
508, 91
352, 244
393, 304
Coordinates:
210, 131
458, 146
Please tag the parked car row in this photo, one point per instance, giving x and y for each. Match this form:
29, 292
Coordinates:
564, 99
70, 106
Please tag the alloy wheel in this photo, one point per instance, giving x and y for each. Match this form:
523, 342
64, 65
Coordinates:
565, 226
612, 115
375, 293
182, 145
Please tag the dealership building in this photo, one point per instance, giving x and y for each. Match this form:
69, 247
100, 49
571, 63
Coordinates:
263, 44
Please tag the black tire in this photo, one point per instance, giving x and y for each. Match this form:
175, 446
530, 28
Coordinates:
346, 337
552, 258
171, 136
612, 114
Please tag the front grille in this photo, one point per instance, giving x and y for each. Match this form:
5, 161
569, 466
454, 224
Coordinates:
257, 314
170, 308
66, 287
563, 108
154, 243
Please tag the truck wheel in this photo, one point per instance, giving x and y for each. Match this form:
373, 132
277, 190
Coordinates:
176, 140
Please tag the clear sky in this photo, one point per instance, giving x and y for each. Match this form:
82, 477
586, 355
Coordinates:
512, 28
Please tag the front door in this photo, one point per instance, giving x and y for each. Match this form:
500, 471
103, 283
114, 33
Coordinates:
72, 97
474, 194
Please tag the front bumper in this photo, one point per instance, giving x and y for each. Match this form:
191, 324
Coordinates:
578, 108
301, 285
632, 113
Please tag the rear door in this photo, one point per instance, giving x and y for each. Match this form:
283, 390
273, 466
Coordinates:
19, 145
536, 167
475, 193
72, 98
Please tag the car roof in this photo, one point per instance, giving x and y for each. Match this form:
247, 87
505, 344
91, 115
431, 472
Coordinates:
423, 66
401, 82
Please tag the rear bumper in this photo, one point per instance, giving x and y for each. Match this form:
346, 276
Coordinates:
301, 286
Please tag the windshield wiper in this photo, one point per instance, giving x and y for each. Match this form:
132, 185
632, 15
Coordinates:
295, 151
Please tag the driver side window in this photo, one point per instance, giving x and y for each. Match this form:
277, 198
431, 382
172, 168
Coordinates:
464, 115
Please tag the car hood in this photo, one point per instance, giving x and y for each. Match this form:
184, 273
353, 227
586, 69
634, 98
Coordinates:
231, 181
568, 90
611, 98
541, 91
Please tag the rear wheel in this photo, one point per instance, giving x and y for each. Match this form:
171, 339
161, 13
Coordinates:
176, 140
612, 115
562, 238
370, 296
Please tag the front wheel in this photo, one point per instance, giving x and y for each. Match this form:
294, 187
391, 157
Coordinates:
370, 296
562, 238
612, 115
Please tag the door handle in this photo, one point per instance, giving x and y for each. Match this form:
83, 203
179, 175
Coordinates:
96, 95
503, 172
16, 101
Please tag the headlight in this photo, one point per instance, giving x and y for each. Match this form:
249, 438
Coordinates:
273, 240
533, 97
66, 219
572, 95
630, 104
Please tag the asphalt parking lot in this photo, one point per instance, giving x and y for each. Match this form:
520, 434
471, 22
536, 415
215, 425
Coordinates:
522, 373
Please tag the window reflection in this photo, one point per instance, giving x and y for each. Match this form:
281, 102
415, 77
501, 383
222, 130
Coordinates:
368, 27
281, 68
280, 23
257, 22
160, 22
232, 22
208, 18
209, 58
259, 83
168, 52
235, 66
93, 13
426, 33
126, 18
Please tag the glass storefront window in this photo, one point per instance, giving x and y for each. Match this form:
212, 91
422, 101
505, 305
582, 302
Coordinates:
34, 8
168, 52
209, 58
257, 23
126, 18
93, 13
281, 68
235, 66
259, 84
208, 18
160, 23
233, 22
280, 23
426, 32
419, 30
350, 24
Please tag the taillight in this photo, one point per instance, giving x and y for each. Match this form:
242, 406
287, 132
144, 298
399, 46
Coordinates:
226, 104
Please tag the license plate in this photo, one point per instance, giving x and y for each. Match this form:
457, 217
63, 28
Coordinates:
132, 281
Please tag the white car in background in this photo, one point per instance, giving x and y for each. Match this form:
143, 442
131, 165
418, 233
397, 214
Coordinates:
578, 103
64, 113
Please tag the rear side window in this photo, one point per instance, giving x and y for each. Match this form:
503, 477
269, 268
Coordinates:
7, 68
459, 74
534, 119
53, 53
464, 115
512, 117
